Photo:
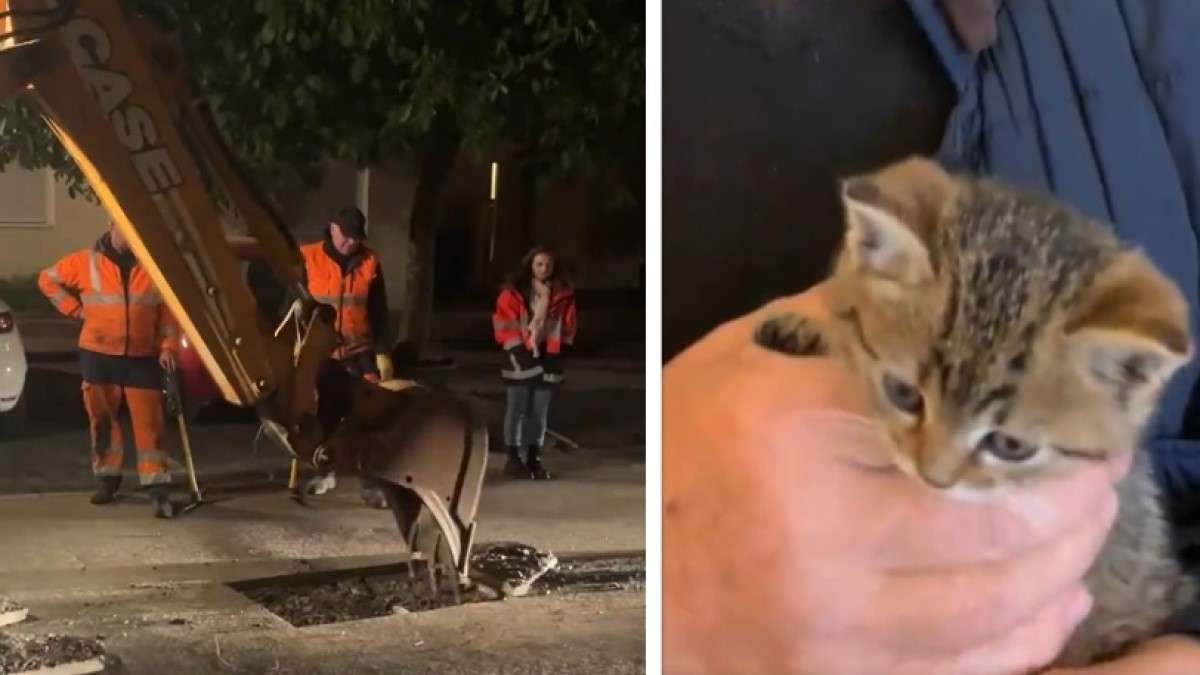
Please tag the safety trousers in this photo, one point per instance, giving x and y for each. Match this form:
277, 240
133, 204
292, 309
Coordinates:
103, 404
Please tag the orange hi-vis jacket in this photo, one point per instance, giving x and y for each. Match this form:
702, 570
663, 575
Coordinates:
119, 318
510, 326
510, 321
347, 294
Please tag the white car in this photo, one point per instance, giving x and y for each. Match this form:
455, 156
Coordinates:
12, 374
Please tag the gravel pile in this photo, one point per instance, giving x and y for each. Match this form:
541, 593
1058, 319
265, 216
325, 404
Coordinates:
34, 653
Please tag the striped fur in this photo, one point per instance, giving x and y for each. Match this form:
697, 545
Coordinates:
1033, 341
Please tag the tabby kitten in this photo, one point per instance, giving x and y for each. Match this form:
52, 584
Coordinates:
1007, 338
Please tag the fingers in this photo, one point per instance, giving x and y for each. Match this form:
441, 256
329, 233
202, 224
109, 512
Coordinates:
981, 600
901, 525
1028, 647
924, 530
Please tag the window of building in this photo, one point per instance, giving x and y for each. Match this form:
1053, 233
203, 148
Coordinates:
26, 198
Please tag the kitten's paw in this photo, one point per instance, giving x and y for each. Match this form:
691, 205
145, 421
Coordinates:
791, 334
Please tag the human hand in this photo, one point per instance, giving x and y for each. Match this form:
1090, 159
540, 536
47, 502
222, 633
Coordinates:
974, 21
166, 359
790, 543
1168, 655
383, 361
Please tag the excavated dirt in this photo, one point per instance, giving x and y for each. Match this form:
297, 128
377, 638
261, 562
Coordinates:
505, 570
356, 598
20, 654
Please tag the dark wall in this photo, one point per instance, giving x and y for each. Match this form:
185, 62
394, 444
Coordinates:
762, 110
601, 240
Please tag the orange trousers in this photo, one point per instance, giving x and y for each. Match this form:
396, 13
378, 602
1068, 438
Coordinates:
103, 404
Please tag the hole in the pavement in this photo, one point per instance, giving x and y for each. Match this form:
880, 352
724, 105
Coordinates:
316, 598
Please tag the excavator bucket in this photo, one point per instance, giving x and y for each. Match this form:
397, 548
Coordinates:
429, 453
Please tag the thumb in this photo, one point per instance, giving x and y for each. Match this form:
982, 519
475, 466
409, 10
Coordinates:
1033, 645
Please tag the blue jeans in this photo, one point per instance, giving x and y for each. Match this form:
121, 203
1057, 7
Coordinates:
525, 414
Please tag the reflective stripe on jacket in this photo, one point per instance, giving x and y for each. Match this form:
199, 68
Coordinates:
347, 294
119, 318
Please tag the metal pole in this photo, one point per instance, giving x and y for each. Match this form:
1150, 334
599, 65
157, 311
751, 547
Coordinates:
187, 456
492, 212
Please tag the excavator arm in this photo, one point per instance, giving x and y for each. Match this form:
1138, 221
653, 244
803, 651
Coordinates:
115, 91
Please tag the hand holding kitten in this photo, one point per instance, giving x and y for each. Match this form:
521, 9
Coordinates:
790, 543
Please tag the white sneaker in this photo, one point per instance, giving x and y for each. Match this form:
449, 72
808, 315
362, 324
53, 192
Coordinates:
321, 484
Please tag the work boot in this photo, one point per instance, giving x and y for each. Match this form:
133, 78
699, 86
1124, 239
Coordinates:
106, 491
373, 497
160, 499
534, 463
515, 466
319, 485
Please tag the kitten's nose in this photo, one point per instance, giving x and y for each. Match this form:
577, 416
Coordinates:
942, 467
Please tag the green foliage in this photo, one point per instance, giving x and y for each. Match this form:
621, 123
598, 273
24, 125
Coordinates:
292, 81
26, 141
22, 294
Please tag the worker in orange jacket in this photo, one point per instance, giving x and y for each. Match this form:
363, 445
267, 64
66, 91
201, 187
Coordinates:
128, 336
345, 274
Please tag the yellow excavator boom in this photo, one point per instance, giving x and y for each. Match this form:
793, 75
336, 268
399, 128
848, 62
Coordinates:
115, 91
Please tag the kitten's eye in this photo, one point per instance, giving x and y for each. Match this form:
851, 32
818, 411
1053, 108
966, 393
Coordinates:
1005, 447
903, 395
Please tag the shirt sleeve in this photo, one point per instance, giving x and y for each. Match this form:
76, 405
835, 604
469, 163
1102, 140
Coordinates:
377, 314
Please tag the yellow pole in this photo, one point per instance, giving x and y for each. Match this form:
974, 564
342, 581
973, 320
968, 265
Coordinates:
187, 456
295, 475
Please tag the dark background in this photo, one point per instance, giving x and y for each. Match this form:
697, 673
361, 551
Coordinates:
765, 105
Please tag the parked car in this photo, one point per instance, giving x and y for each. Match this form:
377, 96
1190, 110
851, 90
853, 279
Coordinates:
13, 369
196, 386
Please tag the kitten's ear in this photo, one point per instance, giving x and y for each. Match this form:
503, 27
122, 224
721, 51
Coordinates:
1131, 327
891, 216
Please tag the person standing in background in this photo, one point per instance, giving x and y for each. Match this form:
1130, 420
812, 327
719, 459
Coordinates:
128, 338
533, 322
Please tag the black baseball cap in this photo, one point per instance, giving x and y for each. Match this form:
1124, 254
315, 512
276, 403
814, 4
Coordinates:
352, 222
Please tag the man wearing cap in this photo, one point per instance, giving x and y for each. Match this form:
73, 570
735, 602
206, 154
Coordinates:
345, 274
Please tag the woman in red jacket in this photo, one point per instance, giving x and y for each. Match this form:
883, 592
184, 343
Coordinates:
533, 322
